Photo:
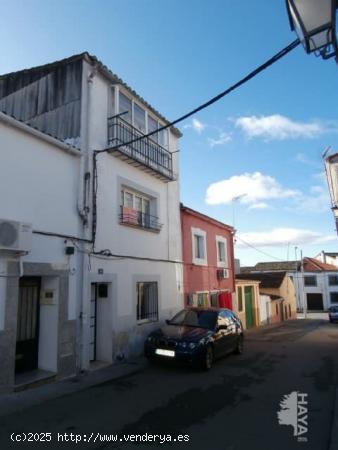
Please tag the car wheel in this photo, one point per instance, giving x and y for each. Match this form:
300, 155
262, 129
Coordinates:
239, 347
208, 358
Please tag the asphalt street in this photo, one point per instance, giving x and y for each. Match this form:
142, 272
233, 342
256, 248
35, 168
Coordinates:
232, 407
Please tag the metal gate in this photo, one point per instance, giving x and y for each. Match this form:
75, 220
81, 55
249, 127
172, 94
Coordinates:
27, 334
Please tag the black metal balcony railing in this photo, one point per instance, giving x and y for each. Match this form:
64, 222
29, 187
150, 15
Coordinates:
133, 217
146, 152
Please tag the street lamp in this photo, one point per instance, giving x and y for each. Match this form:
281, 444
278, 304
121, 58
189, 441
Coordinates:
315, 24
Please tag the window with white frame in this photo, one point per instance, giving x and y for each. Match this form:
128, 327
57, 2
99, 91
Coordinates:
147, 301
138, 209
137, 116
199, 248
222, 251
125, 107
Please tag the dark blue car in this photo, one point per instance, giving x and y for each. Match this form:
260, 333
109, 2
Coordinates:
197, 336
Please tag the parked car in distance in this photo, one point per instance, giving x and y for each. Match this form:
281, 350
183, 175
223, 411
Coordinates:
333, 313
197, 336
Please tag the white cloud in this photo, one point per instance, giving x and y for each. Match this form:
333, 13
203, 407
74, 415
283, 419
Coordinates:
260, 205
223, 138
316, 201
196, 125
283, 236
279, 127
253, 187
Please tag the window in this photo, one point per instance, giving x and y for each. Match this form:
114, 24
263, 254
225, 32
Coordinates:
152, 126
240, 298
334, 297
163, 137
199, 246
147, 301
136, 208
310, 280
199, 250
125, 107
139, 118
221, 251
333, 280
222, 257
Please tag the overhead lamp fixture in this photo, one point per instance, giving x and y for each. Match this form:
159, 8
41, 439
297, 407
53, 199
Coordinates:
314, 21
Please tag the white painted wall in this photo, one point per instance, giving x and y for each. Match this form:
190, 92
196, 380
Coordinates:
48, 332
127, 336
322, 287
39, 181
264, 308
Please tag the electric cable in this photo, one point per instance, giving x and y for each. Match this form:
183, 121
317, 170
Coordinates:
258, 250
216, 98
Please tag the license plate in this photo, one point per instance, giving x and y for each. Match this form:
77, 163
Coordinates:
161, 352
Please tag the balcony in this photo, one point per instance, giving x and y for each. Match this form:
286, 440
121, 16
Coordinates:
134, 218
145, 154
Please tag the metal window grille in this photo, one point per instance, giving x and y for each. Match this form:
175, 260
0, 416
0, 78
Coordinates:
147, 301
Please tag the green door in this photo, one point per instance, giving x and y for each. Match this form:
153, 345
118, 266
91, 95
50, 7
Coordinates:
248, 294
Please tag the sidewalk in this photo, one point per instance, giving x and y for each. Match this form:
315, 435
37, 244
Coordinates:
18, 401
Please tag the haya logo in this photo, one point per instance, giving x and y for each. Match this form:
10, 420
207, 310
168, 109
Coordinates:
294, 411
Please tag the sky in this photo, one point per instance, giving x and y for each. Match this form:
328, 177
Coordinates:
253, 160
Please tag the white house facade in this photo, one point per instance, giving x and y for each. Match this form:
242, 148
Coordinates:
107, 262
39, 289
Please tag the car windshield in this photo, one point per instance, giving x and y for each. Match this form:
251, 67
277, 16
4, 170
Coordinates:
195, 318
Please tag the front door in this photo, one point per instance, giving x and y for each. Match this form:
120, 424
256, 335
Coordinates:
248, 306
99, 318
27, 334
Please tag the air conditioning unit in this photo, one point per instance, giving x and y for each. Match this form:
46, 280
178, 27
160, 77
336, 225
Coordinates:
222, 274
15, 236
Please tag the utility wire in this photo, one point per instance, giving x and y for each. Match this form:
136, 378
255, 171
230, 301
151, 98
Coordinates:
258, 250
215, 99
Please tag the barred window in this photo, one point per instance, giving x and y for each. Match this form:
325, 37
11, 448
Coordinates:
147, 301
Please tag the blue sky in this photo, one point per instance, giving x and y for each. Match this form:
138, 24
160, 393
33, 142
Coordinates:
265, 140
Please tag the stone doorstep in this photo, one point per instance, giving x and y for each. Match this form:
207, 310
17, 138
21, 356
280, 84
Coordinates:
33, 379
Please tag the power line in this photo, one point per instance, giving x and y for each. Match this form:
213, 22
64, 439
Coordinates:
258, 250
215, 99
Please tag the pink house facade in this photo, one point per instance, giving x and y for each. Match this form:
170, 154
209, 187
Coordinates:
208, 257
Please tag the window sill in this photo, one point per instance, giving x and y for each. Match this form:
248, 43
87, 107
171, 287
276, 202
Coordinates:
146, 321
200, 262
140, 227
